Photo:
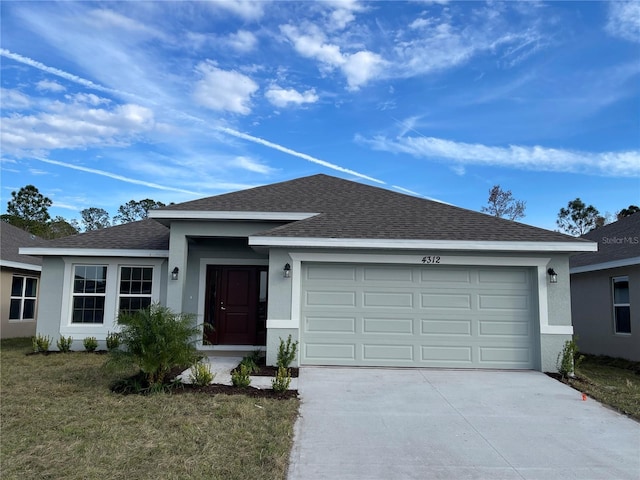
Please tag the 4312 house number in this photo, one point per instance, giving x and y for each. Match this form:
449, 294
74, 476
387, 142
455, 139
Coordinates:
431, 259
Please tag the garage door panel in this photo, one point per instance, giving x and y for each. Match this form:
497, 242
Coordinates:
503, 302
386, 326
446, 301
330, 351
331, 272
514, 329
331, 324
393, 353
387, 300
440, 316
446, 327
329, 299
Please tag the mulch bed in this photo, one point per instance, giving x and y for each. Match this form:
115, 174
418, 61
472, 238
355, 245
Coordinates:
271, 371
217, 389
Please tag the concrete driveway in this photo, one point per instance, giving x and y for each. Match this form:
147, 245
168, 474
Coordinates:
365, 423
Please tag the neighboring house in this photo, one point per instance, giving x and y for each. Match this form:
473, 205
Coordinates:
605, 291
19, 278
359, 275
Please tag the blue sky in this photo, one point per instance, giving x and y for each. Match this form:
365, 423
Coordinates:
104, 102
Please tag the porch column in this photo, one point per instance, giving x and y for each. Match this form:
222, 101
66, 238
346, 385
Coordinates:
178, 251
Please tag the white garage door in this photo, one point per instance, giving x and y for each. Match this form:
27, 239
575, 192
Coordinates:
425, 316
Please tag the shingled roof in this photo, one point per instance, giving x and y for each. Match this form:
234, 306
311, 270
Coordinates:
11, 239
616, 242
346, 209
142, 235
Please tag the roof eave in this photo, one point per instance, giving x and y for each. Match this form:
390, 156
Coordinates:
20, 265
160, 215
405, 244
625, 262
95, 252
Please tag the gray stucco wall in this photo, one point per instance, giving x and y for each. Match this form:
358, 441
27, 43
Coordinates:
50, 309
274, 335
592, 310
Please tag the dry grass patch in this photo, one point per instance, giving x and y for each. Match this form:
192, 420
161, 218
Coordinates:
60, 420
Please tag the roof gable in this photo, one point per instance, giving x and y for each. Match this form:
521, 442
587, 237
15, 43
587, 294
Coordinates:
11, 239
617, 242
346, 209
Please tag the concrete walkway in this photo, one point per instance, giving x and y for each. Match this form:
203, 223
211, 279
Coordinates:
362, 423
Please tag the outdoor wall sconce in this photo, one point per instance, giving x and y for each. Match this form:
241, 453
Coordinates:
553, 276
287, 271
174, 273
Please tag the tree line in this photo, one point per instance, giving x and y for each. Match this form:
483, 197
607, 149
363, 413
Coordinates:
28, 210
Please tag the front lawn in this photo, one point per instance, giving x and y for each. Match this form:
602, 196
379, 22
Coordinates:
60, 420
613, 382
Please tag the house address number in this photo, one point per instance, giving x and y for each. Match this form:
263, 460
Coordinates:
430, 259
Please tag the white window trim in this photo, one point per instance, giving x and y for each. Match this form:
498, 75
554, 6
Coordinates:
621, 278
112, 293
75, 294
22, 298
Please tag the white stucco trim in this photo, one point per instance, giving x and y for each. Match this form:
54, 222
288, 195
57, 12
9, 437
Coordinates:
95, 252
228, 215
625, 262
448, 245
21, 266
541, 264
275, 323
202, 281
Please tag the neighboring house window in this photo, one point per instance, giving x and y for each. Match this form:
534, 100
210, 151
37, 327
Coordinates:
135, 288
23, 298
621, 305
89, 288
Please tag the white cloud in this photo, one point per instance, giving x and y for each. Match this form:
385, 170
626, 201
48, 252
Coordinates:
242, 41
282, 98
342, 13
87, 98
108, 19
537, 158
51, 86
246, 9
14, 99
73, 126
624, 20
224, 90
359, 68
251, 165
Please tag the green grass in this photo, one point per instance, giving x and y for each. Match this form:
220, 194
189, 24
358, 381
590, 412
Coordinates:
60, 420
614, 382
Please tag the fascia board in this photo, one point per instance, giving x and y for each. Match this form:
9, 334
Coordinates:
95, 252
21, 266
625, 262
424, 244
228, 215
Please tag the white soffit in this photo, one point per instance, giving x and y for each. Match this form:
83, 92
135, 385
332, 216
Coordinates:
625, 262
424, 244
228, 215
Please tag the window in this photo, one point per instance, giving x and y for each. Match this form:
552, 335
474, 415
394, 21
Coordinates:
621, 305
89, 287
23, 298
135, 288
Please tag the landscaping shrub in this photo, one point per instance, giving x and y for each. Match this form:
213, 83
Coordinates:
287, 352
64, 344
156, 340
282, 380
201, 374
568, 359
240, 376
41, 343
90, 344
113, 341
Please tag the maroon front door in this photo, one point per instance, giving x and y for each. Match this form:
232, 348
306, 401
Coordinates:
235, 305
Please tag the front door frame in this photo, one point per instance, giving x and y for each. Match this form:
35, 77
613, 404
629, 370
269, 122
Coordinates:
202, 282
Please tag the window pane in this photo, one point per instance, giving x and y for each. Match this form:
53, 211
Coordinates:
14, 310
16, 286
125, 273
29, 312
146, 288
31, 287
623, 319
147, 274
88, 310
137, 274
620, 291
